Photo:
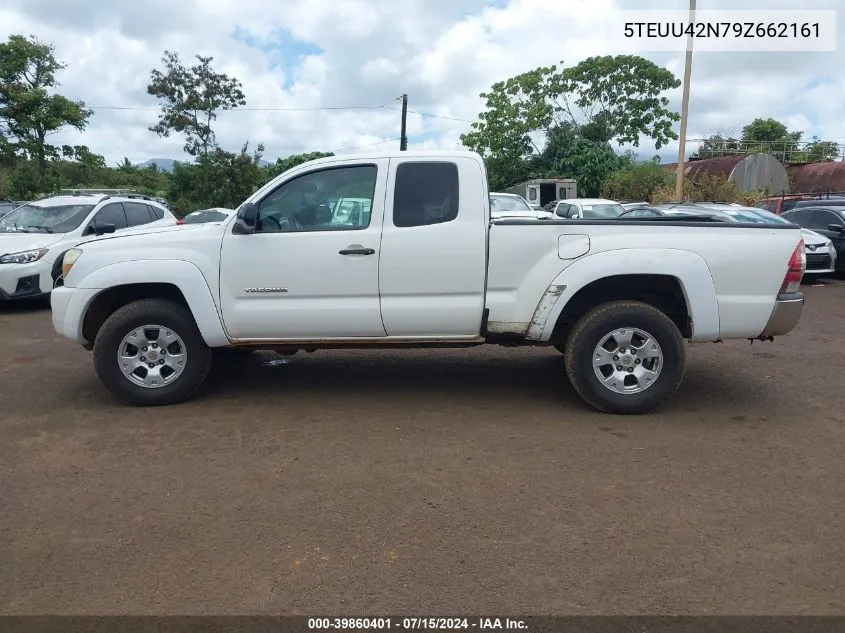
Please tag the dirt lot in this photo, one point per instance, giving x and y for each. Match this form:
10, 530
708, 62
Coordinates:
442, 481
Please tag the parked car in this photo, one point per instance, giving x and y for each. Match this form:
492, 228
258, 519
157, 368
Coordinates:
588, 209
428, 269
633, 205
6, 206
829, 202
512, 205
819, 250
215, 214
828, 221
35, 236
780, 204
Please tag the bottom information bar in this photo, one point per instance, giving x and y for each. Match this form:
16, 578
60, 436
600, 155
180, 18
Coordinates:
300, 624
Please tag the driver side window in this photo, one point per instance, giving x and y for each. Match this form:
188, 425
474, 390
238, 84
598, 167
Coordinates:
333, 199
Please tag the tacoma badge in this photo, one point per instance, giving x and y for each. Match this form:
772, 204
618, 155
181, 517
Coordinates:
265, 289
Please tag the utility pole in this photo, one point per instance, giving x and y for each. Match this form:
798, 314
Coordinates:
682, 141
403, 141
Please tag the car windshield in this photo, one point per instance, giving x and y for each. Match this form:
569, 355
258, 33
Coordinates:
199, 217
592, 211
36, 218
508, 203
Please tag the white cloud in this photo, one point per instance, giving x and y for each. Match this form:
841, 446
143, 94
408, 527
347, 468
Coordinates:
291, 56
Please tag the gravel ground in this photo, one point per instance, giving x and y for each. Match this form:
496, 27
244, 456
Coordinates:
453, 482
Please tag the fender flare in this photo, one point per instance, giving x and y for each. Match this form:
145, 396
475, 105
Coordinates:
180, 273
687, 267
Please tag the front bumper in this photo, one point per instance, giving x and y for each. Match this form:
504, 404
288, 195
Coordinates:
785, 315
69, 306
25, 281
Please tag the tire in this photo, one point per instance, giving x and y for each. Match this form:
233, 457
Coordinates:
175, 320
602, 322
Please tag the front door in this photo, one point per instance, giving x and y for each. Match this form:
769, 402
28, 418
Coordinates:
310, 269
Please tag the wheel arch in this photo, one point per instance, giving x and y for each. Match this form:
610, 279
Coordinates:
125, 282
676, 282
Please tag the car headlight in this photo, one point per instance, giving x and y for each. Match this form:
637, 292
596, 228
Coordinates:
24, 257
69, 260
829, 245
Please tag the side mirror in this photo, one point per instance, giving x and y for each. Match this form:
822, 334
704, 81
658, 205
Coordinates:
247, 219
99, 229
838, 228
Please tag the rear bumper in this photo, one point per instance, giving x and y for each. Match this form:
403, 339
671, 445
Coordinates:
785, 315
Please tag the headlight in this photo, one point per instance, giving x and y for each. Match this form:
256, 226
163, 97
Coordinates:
829, 245
24, 257
69, 260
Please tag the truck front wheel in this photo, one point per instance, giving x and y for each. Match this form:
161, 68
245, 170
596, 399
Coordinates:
150, 352
625, 357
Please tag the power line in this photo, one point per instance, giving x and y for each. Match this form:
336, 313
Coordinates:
317, 109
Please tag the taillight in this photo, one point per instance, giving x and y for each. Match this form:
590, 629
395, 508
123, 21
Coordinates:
795, 270
180, 221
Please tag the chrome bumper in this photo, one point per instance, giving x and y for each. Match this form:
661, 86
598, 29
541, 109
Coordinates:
785, 315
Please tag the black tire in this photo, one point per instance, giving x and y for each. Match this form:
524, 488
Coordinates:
601, 321
162, 312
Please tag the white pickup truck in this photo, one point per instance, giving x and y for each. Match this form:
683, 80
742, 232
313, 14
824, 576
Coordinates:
418, 262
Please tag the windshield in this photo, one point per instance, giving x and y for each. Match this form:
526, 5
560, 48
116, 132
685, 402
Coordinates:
199, 217
592, 211
35, 218
508, 203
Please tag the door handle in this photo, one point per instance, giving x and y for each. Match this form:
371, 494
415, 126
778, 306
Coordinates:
358, 251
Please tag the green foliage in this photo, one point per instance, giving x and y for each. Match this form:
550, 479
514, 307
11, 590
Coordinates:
568, 154
28, 110
191, 98
218, 179
289, 162
706, 187
603, 98
816, 150
638, 182
772, 137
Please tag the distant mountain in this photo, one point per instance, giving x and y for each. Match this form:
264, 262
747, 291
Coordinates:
163, 164
166, 164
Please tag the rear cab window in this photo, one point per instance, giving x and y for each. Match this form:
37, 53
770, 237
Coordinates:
425, 193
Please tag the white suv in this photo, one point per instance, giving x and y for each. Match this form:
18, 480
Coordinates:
35, 236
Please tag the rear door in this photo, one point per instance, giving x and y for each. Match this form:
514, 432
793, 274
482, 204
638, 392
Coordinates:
432, 271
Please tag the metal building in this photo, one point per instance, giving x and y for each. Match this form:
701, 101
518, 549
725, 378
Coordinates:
543, 190
751, 173
819, 177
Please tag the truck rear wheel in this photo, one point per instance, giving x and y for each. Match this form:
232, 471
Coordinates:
150, 352
625, 357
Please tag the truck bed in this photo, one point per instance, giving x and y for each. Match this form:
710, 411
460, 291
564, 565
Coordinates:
729, 272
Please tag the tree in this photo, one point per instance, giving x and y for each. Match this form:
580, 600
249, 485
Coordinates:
218, 179
603, 98
717, 145
191, 98
637, 182
769, 135
289, 162
28, 112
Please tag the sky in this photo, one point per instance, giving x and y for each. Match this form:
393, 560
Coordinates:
298, 61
